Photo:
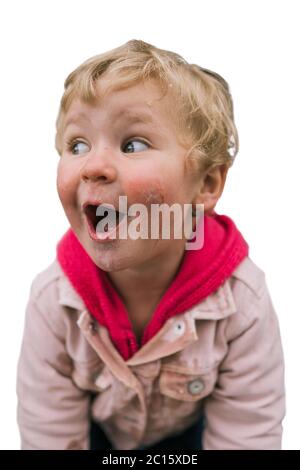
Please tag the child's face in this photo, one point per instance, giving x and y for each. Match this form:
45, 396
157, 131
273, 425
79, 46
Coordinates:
117, 156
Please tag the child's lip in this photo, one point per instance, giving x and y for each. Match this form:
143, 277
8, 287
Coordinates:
94, 203
97, 203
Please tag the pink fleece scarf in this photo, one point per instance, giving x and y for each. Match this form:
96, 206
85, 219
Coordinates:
201, 273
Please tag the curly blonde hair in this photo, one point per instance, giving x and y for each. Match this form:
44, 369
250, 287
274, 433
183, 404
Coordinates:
202, 99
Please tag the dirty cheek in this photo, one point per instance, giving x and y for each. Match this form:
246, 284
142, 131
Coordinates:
147, 194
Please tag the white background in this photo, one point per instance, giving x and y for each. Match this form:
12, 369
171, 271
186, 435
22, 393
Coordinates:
253, 44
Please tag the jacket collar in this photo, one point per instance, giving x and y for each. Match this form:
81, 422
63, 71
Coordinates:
67, 296
218, 305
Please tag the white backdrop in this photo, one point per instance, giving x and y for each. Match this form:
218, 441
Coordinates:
253, 44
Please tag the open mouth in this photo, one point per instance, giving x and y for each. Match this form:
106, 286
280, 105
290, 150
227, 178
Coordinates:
102, 218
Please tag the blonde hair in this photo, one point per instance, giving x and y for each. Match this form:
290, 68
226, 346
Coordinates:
202, 98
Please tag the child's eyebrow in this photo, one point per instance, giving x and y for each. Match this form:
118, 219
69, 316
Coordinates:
74, 119
129, 116
135, 117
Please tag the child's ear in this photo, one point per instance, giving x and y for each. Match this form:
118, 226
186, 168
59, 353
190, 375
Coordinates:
211, 188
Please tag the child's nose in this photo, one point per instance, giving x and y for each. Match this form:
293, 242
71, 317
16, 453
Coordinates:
99, 166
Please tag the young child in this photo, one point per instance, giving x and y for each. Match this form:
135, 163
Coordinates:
148, 342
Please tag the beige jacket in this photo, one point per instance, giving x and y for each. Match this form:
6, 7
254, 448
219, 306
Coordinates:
223, 358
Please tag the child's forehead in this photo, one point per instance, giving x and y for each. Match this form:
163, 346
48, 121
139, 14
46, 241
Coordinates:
136, 111
143, 92
143, 103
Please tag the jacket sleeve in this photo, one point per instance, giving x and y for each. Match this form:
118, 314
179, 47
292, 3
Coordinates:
52, 413
246, 408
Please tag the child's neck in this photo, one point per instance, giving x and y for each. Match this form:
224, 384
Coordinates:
147, 284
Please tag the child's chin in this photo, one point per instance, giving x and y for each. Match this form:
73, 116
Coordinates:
107, 260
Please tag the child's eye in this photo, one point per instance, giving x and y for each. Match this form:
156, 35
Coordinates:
131, 147
74, 146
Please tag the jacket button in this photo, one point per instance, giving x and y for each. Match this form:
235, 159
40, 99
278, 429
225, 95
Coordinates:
179, 327
195, 386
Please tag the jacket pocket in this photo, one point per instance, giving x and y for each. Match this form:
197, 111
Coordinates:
187, 386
